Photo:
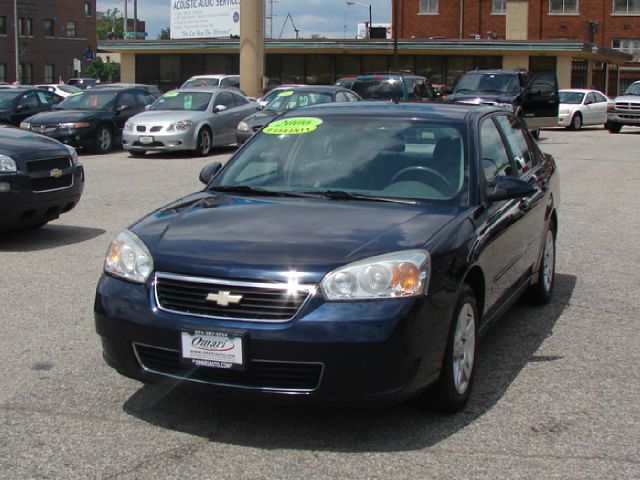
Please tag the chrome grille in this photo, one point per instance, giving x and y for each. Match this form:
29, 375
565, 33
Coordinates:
48, 184
259, 374
44, 129
250, 301
628, 106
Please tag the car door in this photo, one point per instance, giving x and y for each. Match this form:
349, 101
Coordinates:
540, 101
48, 100
27, 105
599, 108
127, 105
225, 118
503, 225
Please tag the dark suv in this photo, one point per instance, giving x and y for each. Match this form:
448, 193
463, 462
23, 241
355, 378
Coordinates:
393, 86
534, 98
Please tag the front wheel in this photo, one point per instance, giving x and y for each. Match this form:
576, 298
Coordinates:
614, 127
104, 139
576, 122
203, 143
540, 292
453, 388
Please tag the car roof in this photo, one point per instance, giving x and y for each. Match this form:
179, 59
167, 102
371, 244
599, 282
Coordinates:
217, 75
578, 90
316, 88
425, 111
498, 71
206, 90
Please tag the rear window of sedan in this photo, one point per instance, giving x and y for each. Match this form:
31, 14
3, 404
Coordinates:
379, 88
288, 100
201, 82
383, 157
183, 101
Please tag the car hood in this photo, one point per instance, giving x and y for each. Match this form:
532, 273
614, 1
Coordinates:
481, 97
68, 116
21, 144
261, 118
229, 236
168, 116
628, 98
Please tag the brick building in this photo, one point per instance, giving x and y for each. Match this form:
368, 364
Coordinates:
611, 24
51, 34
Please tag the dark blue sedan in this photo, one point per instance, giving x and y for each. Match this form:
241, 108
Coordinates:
345, 254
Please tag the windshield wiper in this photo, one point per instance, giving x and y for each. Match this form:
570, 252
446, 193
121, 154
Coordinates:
249, 190
343, 195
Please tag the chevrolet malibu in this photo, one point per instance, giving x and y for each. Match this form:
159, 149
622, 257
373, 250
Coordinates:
348, 253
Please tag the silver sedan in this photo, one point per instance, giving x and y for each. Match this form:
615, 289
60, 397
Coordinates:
191, 119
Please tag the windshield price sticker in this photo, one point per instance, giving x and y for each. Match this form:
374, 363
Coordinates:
288, 93
171, 94
75, 94
293, 126
212, 349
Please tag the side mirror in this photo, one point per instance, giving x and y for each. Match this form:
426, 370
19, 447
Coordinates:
209, 171
21, 108
219, 108
507, 188
260, 107
122, 108
147, 107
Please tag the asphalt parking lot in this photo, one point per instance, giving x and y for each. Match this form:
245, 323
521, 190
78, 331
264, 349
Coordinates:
556, 393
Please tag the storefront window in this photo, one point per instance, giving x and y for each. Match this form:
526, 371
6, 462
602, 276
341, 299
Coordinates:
293, 69
319, 69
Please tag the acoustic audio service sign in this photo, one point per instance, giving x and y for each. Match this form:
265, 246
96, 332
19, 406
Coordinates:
205, 18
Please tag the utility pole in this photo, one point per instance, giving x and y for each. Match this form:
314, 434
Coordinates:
126, 19
135, 19
15, 31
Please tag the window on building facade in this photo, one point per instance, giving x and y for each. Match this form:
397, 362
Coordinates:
3, 72
87, 9
628, 45
71, 29
499, 6
29, 25
49, 28
48, 74
563, 6
428, 6
626, 6
3, 25
25, 73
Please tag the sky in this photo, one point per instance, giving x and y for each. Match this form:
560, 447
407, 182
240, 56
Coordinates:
330, 18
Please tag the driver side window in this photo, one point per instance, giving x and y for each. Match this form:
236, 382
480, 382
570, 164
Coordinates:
493, 153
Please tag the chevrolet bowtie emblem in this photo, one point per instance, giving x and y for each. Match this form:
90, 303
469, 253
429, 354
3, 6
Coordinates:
223, 298
55, 173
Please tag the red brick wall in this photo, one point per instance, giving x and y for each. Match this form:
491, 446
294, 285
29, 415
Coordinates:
479, 20
40, 51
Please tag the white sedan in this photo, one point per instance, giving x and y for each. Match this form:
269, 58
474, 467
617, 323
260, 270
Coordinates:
58, 89
579, 107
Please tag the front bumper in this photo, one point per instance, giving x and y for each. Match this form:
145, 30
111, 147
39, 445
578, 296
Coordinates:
22, 207
361, 352
77, 138
624, 118
159, 141
564, 119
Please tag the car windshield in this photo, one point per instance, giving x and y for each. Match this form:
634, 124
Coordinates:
376, 158
378, 88
89, 100
7, 98
178, 100
634, 89
574, 98
488, 82
201, 82
289, 99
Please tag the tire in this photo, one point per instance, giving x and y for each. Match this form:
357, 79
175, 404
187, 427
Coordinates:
614, 127
138, 153
453, 388
104, 139
204, 142
576, 122
540, 292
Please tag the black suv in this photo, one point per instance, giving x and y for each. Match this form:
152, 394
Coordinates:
393, 86
534, 98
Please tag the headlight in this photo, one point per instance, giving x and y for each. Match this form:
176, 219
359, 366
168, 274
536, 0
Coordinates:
182, 126
399, 274
25, 126
128, 127
506, 106
73, 154
73, 126
611, 107
129, 258
244, 127
7, 164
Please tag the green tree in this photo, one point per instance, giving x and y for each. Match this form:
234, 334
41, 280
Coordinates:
111, 26
106, 72
165, 34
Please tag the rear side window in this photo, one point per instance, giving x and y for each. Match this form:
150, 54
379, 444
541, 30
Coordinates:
226, 99
240, 100
494, 157
518, 145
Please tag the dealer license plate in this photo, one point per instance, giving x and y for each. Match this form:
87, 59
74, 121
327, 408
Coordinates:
215, 349
145, 140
